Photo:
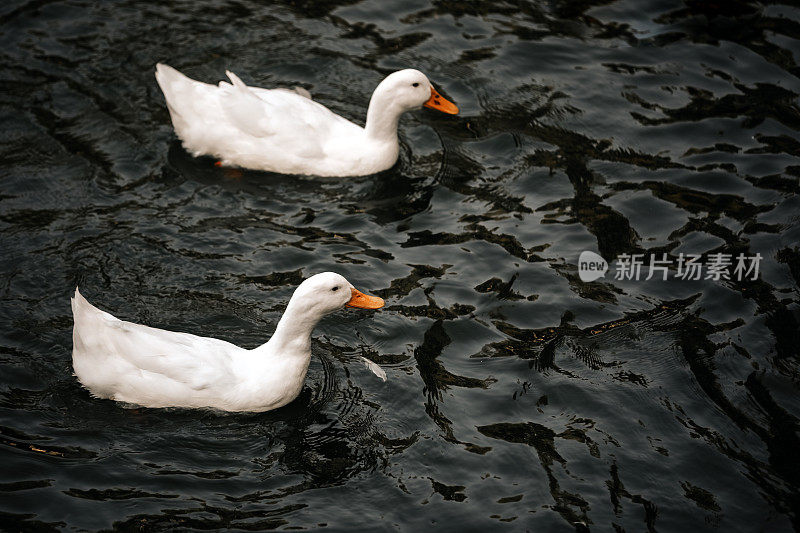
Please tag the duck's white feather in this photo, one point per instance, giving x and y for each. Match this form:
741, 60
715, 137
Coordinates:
284, 130
139, 364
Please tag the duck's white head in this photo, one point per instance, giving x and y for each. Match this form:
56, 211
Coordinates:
327, 292
319, 295
399, 92
410, 89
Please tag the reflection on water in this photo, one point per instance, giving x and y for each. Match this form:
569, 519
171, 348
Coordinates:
518, 396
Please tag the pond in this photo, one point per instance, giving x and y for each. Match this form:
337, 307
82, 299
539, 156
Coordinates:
519, 396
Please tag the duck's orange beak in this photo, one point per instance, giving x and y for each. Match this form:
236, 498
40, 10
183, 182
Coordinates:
440, 103
364, 301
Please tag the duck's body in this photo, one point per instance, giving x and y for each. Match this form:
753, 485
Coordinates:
285, 131
156, 368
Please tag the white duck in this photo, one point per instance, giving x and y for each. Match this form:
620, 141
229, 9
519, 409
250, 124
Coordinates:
157, 368
282, 130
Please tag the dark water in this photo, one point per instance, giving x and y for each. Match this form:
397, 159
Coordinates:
518, 396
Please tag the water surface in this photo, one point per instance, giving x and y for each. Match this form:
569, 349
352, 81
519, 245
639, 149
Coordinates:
518, 396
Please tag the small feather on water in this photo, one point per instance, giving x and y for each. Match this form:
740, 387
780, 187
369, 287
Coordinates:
375, 367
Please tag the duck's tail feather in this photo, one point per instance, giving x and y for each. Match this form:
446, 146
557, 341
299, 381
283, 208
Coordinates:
175, 87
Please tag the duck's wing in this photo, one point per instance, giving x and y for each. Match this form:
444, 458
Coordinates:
301, 91
285, 117
115, 353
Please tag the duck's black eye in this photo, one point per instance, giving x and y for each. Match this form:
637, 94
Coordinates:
415, 84
335, 288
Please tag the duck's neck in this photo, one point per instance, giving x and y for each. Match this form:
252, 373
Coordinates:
383, 116
293, 334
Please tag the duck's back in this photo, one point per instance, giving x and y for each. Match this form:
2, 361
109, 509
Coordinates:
147, 366
268, 129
